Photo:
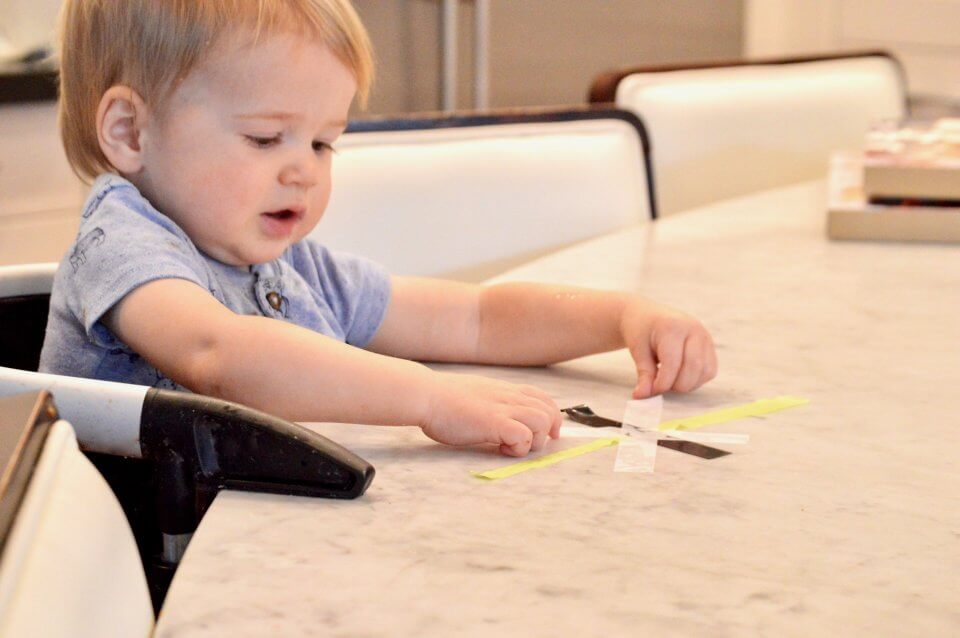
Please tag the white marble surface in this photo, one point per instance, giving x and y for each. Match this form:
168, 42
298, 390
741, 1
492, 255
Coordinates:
839, 518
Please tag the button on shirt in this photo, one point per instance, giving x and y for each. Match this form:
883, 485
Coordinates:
124, 242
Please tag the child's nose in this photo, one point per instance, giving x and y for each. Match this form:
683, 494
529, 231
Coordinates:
303, 172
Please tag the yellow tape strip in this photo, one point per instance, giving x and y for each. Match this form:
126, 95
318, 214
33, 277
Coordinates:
543, 461
757, 408
764, 406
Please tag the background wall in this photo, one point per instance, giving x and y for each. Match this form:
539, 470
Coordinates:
923, 34
542, 52
26, 25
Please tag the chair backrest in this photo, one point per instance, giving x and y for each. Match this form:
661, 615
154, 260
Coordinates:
725, 129
467, 196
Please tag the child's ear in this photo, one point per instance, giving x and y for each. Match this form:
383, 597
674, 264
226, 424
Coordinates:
121, 117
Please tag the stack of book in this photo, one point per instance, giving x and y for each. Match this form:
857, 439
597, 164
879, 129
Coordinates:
905, 185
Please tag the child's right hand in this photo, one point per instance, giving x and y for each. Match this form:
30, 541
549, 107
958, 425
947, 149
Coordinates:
468, 409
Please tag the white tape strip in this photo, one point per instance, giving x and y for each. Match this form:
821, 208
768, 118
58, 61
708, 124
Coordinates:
587, 432
638, 449
637, 453
708, 437
642, 415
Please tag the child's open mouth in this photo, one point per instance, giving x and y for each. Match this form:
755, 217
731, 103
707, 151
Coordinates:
280, 223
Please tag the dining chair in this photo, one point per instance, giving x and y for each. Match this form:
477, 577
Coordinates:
165, 454
723, 129
469, 195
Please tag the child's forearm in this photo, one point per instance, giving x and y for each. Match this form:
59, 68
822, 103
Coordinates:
303, 376
527, 324
532, 324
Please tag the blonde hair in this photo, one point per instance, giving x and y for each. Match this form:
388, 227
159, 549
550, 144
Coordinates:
150, 45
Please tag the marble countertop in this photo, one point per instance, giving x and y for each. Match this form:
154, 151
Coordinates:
839, 518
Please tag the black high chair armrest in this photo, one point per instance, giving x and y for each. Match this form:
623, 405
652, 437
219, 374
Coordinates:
202, 445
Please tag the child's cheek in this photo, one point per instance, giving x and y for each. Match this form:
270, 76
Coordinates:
321, 196
227, 186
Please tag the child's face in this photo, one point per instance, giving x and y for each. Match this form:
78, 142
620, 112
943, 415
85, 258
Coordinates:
240, 158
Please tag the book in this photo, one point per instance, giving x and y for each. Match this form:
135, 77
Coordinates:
913, 162
850, 215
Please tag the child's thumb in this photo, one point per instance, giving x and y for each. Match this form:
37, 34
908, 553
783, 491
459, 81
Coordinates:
646, 373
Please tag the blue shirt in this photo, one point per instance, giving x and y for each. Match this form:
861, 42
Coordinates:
124, 242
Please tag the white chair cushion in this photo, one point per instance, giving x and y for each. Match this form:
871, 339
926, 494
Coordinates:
470, 201
722, 132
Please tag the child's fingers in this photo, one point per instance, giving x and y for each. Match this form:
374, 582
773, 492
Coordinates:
508, 450
539, 397
557, 423
538, 421
646, 371
710, 370
709, 355
698, 362
691, 372
670, 356
514, 438
701, 357
548, 404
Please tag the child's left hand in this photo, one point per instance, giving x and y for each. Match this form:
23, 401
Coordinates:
671, 349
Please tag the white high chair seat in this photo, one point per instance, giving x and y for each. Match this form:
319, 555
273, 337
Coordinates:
467, 197
728, 129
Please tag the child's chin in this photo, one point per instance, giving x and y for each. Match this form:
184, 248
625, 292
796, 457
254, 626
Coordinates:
254, 257
263, 257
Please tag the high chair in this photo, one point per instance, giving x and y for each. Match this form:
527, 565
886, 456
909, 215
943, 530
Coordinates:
164, 454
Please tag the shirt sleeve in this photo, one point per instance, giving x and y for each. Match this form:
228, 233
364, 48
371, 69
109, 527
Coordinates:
356, 289
121, 246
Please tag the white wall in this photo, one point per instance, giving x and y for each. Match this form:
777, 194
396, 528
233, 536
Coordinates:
923, 34
40, 197
26, 24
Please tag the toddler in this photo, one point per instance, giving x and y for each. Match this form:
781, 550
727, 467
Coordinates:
209, 127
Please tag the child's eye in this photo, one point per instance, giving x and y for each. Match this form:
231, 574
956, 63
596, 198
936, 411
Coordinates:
262, 142
322, 147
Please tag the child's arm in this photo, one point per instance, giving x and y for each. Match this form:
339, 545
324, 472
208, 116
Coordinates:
531, 324
301, 375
